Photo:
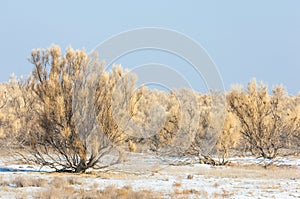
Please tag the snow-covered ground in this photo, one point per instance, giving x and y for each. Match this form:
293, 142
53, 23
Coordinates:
244, 179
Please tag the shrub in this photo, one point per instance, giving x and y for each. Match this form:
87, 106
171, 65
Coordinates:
262, 117
75, 125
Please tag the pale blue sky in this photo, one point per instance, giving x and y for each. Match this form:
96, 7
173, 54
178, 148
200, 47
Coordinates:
244, 38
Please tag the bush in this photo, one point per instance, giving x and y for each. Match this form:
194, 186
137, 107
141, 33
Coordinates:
71, 114
263, 118
75, 127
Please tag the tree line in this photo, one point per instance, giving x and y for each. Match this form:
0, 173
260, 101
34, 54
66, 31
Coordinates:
71, 114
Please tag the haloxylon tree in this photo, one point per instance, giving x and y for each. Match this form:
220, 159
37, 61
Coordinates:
76, 128
71, 115
263, 118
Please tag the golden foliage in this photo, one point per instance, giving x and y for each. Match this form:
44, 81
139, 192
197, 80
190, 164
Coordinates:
70, 113
263, 117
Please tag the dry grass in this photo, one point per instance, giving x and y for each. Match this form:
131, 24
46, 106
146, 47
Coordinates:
186, 193
177, 184
68, 187
253, 171
19, 182
225, 194
58, 185
216, 185
110, 192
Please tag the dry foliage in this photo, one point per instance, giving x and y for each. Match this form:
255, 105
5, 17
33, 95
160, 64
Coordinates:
265, 121
75, 127
17, 113
60, 187
71, 114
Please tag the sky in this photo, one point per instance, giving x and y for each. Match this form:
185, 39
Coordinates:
245, 39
